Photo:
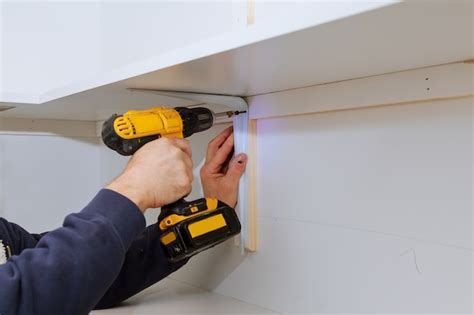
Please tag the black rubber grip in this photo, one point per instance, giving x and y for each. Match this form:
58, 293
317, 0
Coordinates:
195, 119
122, 146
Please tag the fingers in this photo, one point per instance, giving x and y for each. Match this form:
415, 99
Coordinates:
215, 143
237, 167
184, 151
183, 144
220, 157
189, 163
225, 165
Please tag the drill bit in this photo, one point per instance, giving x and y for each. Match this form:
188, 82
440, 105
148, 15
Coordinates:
227, 114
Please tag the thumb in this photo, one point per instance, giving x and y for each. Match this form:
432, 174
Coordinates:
237, 167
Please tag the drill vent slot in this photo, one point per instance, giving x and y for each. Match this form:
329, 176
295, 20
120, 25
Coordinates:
124, 126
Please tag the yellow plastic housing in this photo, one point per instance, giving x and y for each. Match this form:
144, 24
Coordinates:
168, 238
207, 225
162, 121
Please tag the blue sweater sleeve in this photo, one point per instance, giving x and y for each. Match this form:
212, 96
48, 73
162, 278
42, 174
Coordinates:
16, 238
145, 264
72, 267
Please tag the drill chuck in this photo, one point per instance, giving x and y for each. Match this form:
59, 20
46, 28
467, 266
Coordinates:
195, 119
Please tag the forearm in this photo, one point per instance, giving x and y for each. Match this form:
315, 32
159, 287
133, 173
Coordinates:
71, 267
145, 264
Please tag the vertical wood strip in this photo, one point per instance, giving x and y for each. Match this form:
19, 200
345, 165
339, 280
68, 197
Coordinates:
252, 186
250, 12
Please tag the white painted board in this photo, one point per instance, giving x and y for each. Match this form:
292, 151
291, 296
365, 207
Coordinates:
124, 39
367, 42
46, 44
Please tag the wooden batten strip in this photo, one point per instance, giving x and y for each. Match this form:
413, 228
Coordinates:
452, 81
250, 12
47, 127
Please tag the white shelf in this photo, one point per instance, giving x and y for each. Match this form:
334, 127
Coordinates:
173, 297
397, 37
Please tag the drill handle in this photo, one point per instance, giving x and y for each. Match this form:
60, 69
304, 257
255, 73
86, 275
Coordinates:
173, 208
181, 209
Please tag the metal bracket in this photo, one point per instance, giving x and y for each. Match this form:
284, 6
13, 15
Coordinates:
233, 102
241, 144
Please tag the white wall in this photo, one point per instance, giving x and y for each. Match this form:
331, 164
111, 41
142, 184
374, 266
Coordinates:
359, 211
44, 178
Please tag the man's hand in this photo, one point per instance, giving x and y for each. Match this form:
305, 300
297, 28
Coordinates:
158, 174
219, 176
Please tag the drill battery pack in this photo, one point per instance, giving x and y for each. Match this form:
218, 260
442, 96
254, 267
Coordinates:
191, 227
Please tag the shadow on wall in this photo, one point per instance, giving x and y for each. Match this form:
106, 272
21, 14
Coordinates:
210, 268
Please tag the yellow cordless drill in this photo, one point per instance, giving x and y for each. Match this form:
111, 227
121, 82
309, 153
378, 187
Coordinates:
187, 227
